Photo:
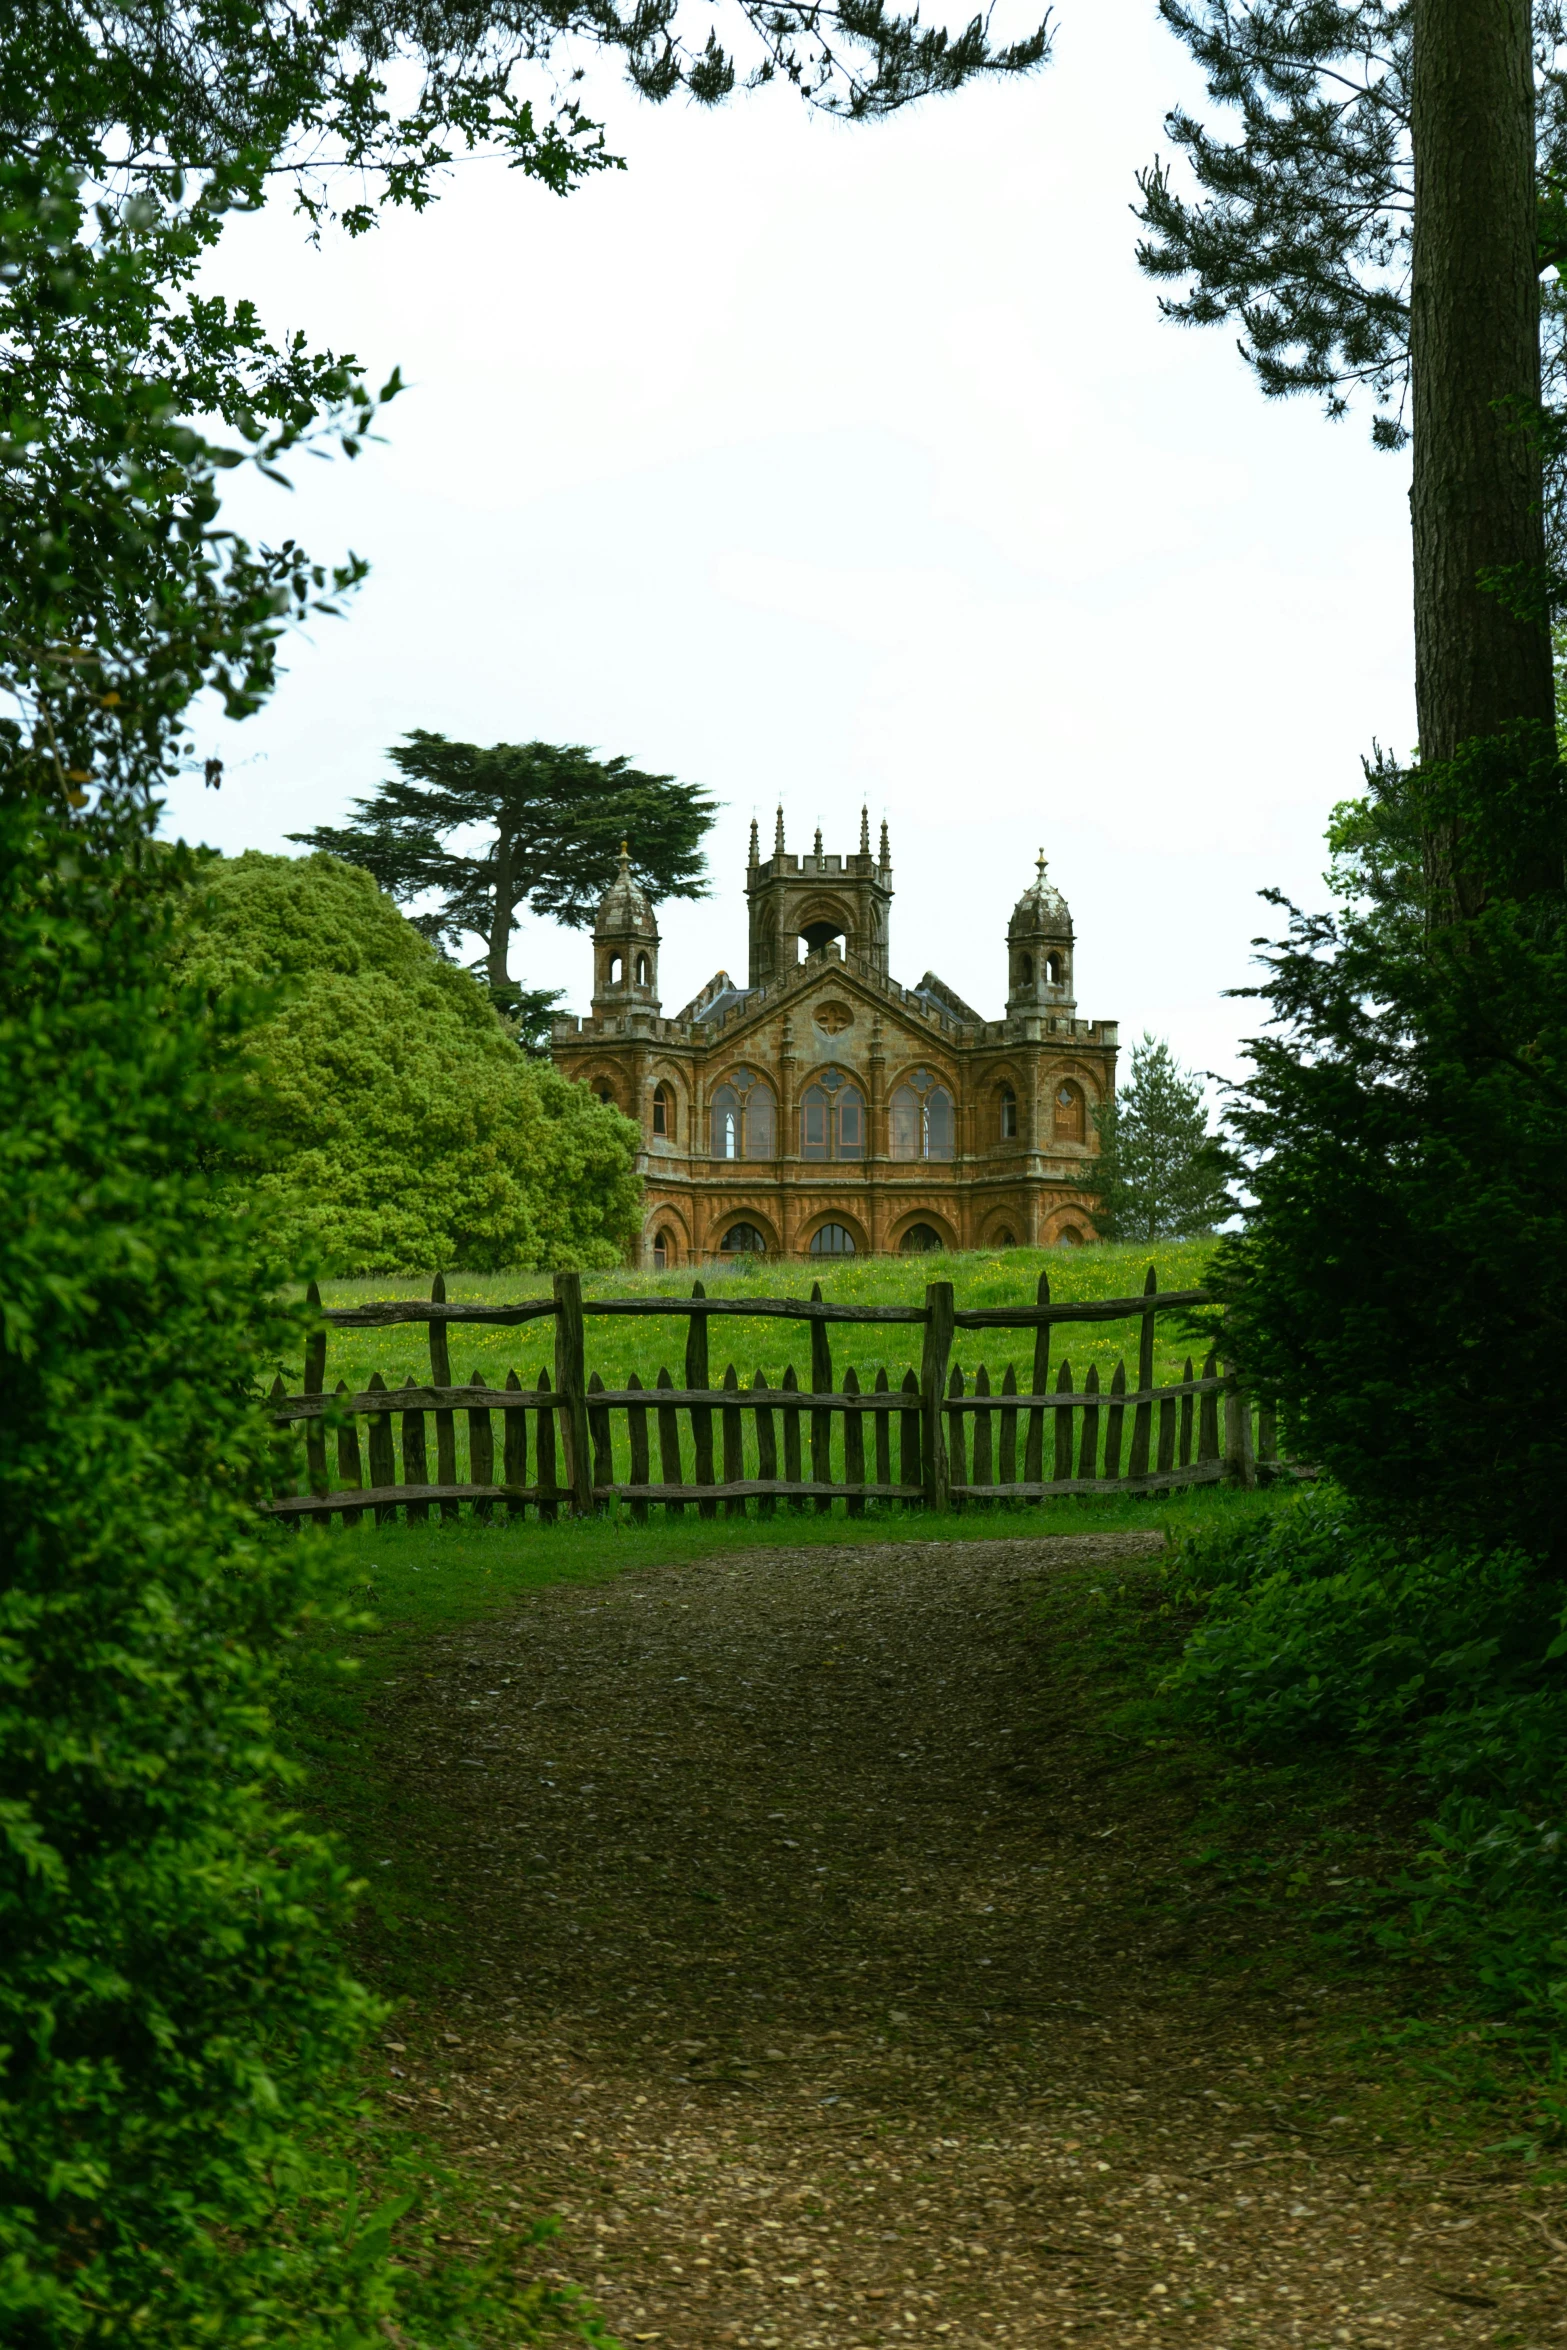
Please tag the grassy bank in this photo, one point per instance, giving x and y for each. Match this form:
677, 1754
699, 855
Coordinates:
616, 1349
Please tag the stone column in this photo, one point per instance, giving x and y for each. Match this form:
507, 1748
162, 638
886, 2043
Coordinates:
875, 1132
787, 1154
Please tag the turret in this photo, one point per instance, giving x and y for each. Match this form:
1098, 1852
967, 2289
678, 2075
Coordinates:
1039, 951
625, 947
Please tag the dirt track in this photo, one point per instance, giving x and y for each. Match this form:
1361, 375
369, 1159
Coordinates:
814, 1976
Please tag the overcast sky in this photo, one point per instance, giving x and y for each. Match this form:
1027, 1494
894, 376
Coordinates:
830, 464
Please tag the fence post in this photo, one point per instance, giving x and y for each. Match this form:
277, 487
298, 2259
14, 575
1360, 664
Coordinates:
1240, 1466
939, 1327
1142, 1415
315, 1384
699, 1378
445, 1422
571, 1390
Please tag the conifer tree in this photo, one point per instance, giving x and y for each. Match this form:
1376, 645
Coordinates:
1378, 223
1159, 1172
555, 816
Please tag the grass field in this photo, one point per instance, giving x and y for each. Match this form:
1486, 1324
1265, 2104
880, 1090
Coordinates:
617, 1348
421, 1576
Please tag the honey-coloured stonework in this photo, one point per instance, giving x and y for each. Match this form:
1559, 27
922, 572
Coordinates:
824, 1110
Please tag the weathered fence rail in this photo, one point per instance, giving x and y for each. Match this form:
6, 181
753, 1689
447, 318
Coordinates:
571, 1443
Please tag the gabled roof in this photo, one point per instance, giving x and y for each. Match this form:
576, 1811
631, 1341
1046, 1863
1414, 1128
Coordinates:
947, 999
717, 997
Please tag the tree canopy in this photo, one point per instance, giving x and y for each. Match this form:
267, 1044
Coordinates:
1159, 1171
556, 817
1297, 229
389, 1123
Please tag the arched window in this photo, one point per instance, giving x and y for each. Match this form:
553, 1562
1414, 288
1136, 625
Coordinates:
663, 1112
833, 1240
1008, 1106
919, 1119
760, 1123
1026, 970
1004, 1238
642, 970
663, 1251
616, 968
1053, 969
745, 1118
832, 1119
726, 1123
601, 1093
1069, 1237
938, 1123
1071, 1118
903, 1123
743, 1240
919, 1240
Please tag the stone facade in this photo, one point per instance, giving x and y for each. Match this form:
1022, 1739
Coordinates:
822, 1109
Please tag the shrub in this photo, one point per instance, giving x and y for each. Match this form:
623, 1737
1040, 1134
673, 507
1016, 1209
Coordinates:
1401, 1284
1436, 1663
178, 2025
391, 1124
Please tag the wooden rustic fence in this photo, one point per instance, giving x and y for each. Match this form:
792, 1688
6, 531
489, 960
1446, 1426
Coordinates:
571, 1443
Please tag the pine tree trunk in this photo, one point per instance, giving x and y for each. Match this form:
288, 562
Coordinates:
499, 956
1476, 496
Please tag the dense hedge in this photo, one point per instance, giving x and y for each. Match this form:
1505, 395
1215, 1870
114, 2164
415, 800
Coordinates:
391, 1123
177, 2027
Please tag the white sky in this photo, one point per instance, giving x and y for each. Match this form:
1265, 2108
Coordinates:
826, 464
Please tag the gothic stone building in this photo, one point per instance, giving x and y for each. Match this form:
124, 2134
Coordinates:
822, 1109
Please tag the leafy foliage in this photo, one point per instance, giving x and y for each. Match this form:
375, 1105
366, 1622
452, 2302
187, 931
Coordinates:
556, 816
182, 2155
177, 2097
1438, 1661
307, 92
390, 1124
1400, 1281
1159, 1171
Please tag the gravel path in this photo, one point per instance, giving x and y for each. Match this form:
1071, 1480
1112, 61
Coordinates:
814, 1976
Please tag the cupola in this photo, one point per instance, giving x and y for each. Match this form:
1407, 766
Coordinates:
625, 947
1039, 951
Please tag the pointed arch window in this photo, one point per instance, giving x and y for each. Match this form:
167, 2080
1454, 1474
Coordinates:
1071, 1113
664, 1112
832, 1119
1007, 1107
920, 1121
745, 1118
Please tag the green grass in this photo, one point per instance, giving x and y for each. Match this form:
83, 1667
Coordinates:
421, 1576
616, 1348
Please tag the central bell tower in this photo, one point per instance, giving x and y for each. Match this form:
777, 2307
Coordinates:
802, 906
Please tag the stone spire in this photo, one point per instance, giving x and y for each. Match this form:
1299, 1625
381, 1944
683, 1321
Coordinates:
886, 852
865, 832
818, 843
778, 839
755, 857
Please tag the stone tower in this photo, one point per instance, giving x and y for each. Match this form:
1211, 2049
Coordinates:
810, 905
1039, 952
625, 948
